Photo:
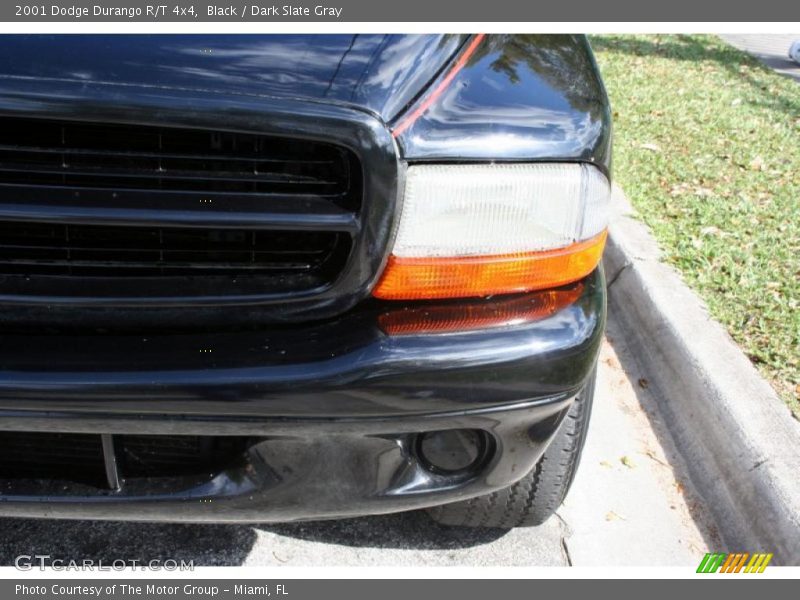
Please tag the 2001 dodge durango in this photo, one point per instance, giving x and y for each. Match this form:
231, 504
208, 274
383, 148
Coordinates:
271, 278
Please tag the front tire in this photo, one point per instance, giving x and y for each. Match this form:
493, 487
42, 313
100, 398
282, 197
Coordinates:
535, 497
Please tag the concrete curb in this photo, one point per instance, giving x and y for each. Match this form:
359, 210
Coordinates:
740, 443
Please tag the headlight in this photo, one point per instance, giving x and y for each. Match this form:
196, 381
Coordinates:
477, 230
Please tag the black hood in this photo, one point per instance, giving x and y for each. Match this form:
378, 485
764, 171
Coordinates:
378, 73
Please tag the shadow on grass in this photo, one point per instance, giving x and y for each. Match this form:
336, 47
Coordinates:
696, 49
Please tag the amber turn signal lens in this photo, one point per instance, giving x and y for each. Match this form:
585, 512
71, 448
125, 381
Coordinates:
474, 276
479, 314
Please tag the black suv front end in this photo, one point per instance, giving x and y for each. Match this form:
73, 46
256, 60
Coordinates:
195, 322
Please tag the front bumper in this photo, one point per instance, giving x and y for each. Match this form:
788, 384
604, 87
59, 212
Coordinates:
333, 409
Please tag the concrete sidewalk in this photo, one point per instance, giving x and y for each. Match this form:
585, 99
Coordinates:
771, 49
739, 440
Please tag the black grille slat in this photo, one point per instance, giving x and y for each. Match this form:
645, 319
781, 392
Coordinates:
88, 155
42, 248
156, 155
78, 249
231, 176
33, 265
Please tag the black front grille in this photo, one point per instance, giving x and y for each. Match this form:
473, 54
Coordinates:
80, 458
172, 213
126, 157
86, 251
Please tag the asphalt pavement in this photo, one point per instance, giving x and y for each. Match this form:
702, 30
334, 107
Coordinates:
631, 504
772, 49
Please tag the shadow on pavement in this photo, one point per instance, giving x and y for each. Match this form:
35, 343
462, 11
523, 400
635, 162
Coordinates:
220, 545
206, 545
408, 530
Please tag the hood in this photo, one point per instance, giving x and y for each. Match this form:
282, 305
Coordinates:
378, 73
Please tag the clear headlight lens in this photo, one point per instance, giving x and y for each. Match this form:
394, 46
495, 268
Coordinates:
475, 230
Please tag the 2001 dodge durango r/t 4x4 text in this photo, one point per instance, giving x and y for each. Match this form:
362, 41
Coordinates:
270, 278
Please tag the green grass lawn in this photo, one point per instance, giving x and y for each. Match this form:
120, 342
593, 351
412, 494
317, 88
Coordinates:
707, 148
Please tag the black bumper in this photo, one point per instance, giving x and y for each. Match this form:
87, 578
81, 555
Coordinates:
332, 410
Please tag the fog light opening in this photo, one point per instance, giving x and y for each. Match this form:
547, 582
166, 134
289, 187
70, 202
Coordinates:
453, 451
